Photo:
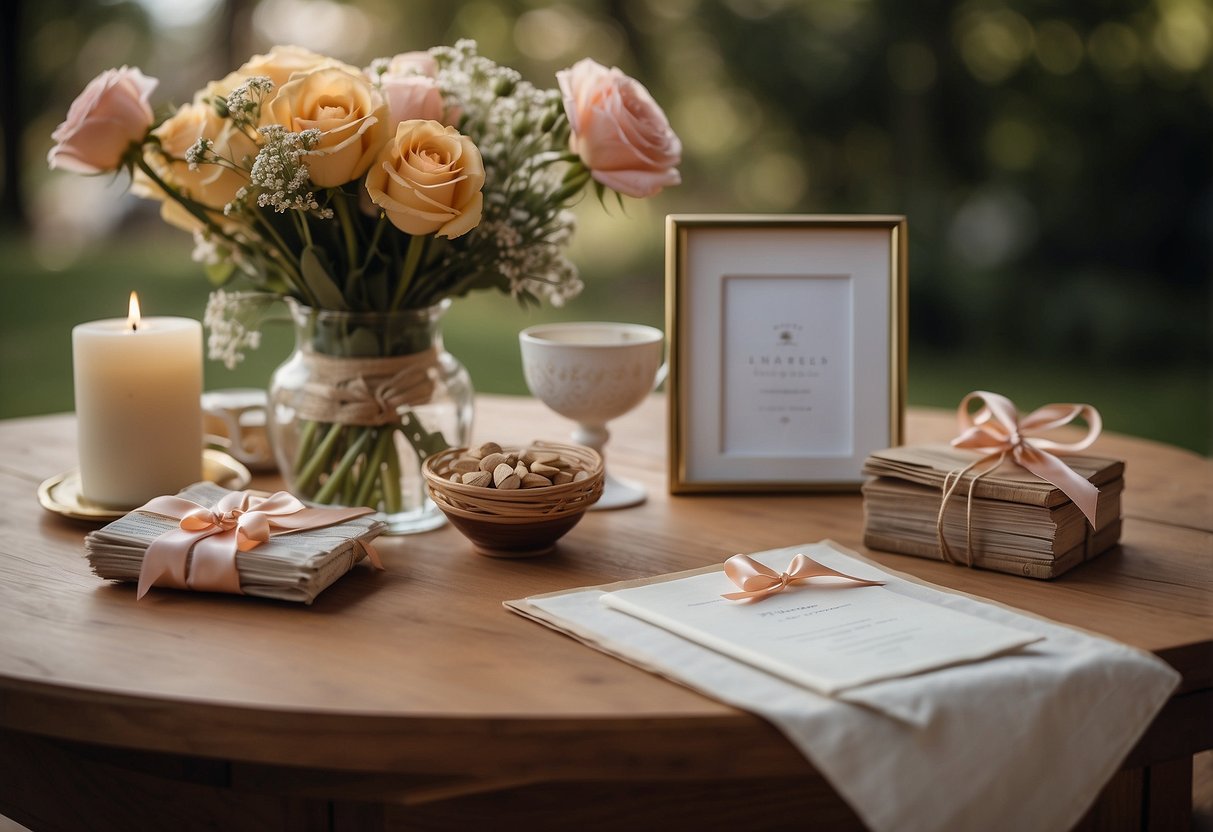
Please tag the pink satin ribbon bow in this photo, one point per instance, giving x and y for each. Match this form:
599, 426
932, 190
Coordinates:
997, 430
758, 581
200, 553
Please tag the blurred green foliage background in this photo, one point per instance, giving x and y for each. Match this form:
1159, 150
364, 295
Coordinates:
1055, 162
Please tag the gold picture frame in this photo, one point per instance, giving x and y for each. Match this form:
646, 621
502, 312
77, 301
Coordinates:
787, 349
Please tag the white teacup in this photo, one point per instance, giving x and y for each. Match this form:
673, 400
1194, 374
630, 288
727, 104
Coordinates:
235, 419
592, 372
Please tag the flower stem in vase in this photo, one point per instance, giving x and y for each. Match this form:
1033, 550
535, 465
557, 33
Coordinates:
337, 478
351, 483
373, 471
392, 500
317, 461
307, 442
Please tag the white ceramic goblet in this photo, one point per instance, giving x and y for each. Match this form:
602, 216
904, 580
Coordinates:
592, 373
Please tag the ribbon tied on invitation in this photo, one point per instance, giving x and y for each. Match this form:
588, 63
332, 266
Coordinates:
200, 554
997, 430
757, 580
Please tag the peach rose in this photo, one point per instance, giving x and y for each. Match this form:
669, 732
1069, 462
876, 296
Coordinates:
427, 180
279, 64
213, 185
349, 114
618, 130
110, 115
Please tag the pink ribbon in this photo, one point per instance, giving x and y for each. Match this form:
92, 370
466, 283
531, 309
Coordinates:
758, 581
997, 429
200, 553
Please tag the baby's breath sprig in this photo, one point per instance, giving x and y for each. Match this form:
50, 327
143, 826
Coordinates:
199, 152
243, 104
522, 133
233, 321
279, 177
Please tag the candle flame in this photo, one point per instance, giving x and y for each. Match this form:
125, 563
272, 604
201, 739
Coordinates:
133, 317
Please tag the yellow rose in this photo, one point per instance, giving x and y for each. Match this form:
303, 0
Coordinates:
349, 114
212, 185
427, 180
279, 64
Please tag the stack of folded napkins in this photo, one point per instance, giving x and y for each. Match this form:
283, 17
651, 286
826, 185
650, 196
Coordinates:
1020, 523
296, 566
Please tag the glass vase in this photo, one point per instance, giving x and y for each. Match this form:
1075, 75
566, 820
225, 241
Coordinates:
360, 404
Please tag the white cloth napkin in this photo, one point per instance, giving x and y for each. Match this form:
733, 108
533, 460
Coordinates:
1024, 741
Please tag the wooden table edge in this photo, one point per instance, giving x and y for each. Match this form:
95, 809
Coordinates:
592, 747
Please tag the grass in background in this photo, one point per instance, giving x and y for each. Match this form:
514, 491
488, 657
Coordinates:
1169, 404
39, 308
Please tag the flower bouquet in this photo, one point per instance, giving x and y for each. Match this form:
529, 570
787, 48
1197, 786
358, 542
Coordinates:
367, 199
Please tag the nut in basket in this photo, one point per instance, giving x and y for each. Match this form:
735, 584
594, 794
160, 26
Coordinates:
515, 502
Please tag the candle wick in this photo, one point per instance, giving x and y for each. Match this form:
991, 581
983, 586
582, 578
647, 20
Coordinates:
134, 326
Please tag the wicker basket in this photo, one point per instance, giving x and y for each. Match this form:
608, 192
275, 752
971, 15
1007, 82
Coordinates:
520, 522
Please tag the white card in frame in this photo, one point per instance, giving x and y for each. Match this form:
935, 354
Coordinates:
787, 349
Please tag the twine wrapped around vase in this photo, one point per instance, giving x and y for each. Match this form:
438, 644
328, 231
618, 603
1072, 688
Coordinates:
365, 391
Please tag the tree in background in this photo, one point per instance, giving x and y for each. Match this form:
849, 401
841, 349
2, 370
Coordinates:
1055, 162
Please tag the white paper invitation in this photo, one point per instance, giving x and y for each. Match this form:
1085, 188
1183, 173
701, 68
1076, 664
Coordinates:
903, 752
828, 636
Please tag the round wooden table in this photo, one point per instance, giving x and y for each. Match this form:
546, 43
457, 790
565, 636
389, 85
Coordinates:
411, 697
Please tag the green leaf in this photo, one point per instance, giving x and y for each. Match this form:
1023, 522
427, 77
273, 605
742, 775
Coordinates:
577, 172
316, 276
362, 342
355, 290
275, 285
220, 273
376, 290
571, 184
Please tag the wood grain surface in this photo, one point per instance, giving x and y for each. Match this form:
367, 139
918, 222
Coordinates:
419, 669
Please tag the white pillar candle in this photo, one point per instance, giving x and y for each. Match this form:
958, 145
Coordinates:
138, 390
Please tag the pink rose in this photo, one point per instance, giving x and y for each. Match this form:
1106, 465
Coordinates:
103, 122
411, 97
408, 84
618, 130
413, 63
